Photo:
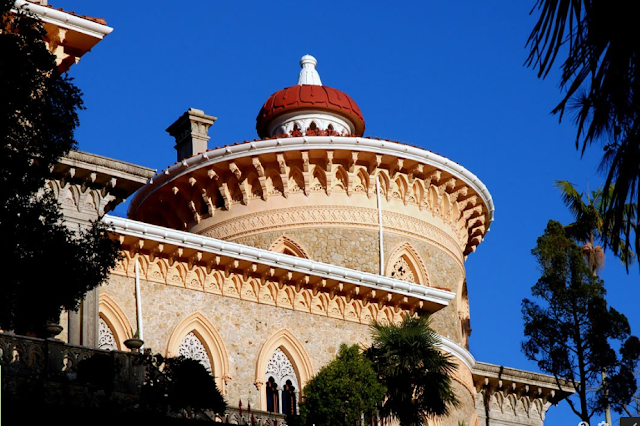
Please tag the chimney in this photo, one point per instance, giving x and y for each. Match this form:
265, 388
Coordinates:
191, 133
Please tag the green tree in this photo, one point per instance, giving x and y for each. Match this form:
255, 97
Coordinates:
601, 83
343, 391
570, 334
416, 373
52, 266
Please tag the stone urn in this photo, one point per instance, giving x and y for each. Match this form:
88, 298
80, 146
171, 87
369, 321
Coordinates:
134, 344
53, 329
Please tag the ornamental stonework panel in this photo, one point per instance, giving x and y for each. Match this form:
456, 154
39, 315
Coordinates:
340, 216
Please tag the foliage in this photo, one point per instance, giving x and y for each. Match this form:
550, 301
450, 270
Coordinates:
601, 83
53, 266
416, 373
99, 370
179, 384
571, 334
589, 226
342, 391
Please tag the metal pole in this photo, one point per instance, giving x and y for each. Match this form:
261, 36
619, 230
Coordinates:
380, 225
138, 302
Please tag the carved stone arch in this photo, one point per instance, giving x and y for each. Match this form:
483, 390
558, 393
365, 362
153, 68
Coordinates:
255, 189
233, 184
69, 196
406, 264
432, 198
274, 183
318, 179
341, 181
417, 193
54, 186
361, 183
296, 181
385, 183
115, 319
200, 326
293, 349
445, 207
177, 274
288, 245
400, 187
455, 213
158, 270
369, 313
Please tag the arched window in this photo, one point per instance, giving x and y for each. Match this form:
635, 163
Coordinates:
281, 384
403, 271
193, 348
288, 246
196, 338
406, 264
113, 326
106, 337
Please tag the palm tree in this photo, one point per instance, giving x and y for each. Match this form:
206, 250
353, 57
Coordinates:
591, 226
416, 373
601, 81
590, 223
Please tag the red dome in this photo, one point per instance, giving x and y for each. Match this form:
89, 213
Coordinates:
307, 96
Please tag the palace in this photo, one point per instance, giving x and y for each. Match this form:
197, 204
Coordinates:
260, 258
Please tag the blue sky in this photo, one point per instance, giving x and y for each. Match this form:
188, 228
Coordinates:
445, 76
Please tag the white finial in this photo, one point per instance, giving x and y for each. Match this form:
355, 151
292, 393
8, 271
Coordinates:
308, 74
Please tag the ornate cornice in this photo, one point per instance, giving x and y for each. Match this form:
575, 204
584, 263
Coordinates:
254, 173
209, 255
515, 396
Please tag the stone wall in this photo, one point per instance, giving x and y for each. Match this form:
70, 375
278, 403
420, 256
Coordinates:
359, 249
244, 327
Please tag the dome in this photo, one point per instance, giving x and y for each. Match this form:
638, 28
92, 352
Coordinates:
309, 106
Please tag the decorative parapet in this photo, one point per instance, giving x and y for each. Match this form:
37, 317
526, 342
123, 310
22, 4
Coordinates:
198, 192
234, 270
88, 185
508, 396
238, 416
28, 359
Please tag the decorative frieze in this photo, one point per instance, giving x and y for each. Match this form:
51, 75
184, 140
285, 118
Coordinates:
508, 396
338, 216
307, 172
335, 300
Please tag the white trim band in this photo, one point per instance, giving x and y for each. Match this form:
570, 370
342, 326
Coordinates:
64, 19
315, 142
266, 257
458, 351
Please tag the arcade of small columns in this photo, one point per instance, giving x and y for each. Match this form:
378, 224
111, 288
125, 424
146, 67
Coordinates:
199, 198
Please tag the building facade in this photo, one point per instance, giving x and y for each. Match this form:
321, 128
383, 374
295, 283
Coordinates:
260, 258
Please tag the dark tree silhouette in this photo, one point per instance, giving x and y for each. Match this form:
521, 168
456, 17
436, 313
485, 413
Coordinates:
572, 332
601, 80
51, 266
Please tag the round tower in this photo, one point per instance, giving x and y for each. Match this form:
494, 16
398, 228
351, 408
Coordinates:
314, 187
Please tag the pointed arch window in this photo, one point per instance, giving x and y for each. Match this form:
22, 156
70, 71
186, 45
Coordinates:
406, 264
403, 271
281, 384
193, 348
288, 246
106, 336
